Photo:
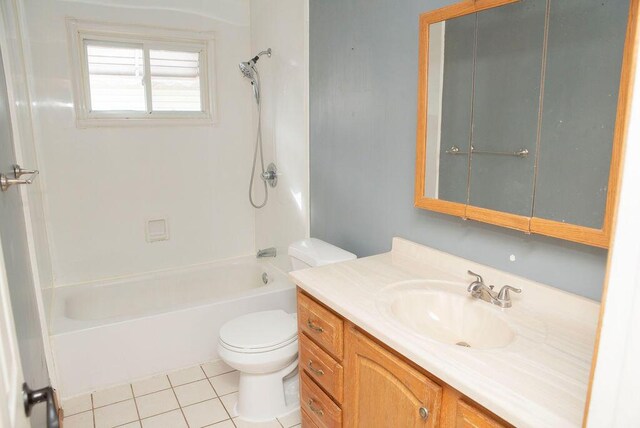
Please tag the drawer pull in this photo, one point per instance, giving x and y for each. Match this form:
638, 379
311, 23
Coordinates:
318, 372
314, 327
318, 411
424, 413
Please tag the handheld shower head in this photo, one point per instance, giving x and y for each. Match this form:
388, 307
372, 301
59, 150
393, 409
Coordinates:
249, 70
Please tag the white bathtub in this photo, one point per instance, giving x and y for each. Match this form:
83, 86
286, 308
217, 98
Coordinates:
110, 332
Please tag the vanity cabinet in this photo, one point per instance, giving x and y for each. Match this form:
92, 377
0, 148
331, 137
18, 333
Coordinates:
350, 379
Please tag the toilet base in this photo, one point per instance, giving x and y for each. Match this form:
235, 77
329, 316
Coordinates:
262, 397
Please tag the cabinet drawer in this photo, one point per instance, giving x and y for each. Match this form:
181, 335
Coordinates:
321, 367
318, 406
306, 420
321, 325
468, 416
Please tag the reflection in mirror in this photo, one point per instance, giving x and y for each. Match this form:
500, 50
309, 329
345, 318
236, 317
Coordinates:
509, 49
586, 42
450, 91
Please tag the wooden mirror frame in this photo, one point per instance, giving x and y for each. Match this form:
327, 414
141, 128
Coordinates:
541, 226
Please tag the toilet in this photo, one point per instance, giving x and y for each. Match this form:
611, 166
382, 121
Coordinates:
263, 346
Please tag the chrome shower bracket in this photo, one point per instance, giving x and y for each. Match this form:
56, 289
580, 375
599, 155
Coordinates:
271, 175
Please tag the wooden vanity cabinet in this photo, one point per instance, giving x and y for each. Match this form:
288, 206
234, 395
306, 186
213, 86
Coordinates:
348, 378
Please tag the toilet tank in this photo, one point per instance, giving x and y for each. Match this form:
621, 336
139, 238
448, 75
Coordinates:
314, 252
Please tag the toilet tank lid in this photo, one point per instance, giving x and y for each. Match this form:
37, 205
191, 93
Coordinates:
316, 252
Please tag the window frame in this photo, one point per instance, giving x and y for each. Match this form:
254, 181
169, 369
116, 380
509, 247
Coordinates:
146, 38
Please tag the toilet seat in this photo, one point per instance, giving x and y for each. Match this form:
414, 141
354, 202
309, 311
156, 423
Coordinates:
259, 332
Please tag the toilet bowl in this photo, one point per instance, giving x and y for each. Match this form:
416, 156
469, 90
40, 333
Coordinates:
263, 346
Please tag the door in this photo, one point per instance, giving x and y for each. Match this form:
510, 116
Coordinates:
383, 390
19, 288
11, 408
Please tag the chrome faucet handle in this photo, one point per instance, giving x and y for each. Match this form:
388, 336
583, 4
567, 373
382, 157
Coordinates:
478, 277
504, 292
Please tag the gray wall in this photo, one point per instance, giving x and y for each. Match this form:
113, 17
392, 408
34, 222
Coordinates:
363, 74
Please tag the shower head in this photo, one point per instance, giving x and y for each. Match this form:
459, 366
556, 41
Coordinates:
248, 70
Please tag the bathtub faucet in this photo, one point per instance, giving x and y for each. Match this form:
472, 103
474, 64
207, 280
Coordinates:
267, 252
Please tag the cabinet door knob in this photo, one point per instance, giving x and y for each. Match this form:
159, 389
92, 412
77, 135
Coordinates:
318, 411
424, 413
319, 372
314, 327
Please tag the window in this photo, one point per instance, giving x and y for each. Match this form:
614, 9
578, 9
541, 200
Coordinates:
132, 76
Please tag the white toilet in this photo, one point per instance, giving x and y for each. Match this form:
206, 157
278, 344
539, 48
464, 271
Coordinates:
263, 346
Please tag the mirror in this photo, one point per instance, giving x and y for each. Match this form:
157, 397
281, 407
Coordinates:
517, 113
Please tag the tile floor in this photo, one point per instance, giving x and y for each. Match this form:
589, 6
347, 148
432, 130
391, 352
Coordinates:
200, 396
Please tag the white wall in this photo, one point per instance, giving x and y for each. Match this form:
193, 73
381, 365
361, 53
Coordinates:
282, 26
102, 183
616, 380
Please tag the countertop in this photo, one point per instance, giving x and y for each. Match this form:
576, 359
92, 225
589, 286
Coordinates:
538, 380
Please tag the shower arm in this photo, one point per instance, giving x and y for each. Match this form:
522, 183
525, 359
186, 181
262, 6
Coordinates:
257, 57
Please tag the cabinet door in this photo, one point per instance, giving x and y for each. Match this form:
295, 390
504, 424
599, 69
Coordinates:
381, 390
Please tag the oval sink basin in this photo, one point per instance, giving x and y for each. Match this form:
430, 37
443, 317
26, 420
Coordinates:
449, 318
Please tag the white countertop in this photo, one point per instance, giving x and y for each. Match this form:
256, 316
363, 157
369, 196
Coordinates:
538, 380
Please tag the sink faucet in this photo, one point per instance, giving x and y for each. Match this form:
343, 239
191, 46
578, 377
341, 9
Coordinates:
479, 290
267, 252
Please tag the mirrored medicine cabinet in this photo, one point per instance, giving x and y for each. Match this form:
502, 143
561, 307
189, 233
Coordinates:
522, 108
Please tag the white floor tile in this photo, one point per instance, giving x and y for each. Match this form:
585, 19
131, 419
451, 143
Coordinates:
80, 420
75, 405
244, 424
205, 413
224, 424
191, 374
112, 395
153, 384
173, 419
226, 383
116, 414
135, 424
230, 401
215, 368
195, 392
156, 403
291, 420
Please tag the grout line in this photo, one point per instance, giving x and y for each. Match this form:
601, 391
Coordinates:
93, 413
213, 387
198, 402
135, 403
218, 397
186, 383
115, 402
180, 405
66, 415
149, 393
158, 414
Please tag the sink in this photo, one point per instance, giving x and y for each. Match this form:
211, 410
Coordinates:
429, 310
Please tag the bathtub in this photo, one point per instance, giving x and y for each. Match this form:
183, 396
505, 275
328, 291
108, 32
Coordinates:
111, 332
